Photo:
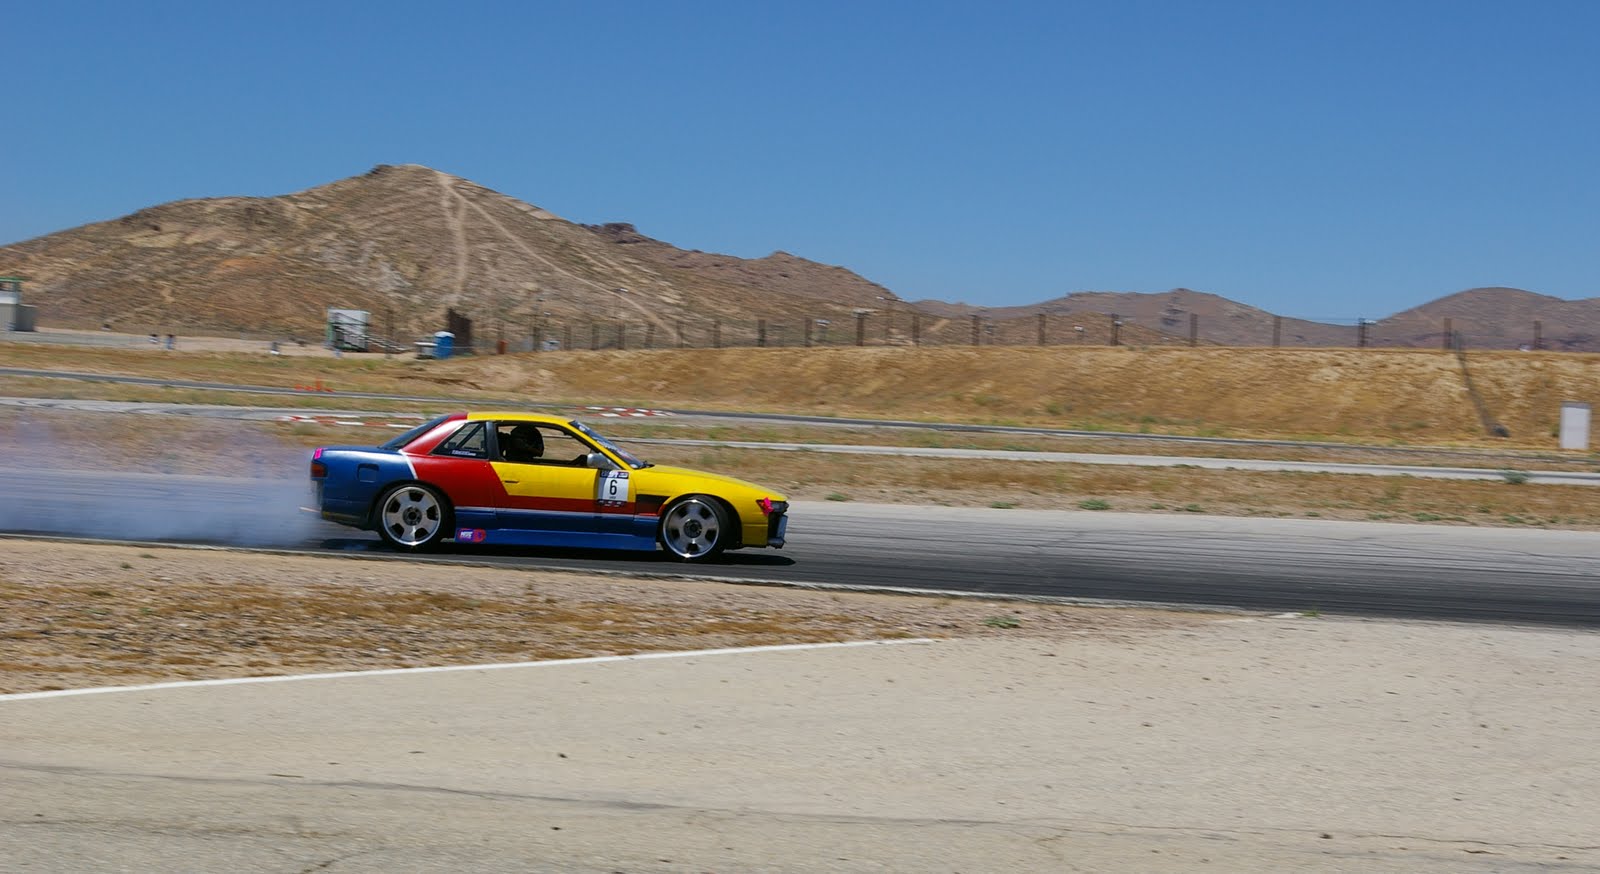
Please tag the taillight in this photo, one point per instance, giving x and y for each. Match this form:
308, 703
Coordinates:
318, 469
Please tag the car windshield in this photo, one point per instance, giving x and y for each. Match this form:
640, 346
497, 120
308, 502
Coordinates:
413, 434
632, 460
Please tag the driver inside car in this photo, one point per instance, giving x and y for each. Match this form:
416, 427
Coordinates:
523, 444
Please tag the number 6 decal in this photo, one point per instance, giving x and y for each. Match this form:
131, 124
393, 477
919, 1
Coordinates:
612, 487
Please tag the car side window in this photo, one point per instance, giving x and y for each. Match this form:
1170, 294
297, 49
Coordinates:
539, 443
470, 441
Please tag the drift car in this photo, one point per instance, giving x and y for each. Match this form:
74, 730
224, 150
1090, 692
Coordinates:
531, 480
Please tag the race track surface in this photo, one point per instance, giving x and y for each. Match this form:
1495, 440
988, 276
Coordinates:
1356, 568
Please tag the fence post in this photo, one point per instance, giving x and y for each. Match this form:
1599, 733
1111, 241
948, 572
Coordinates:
1277, 331
1116, 330
1041, 329
1194, 329
761, 332
861, 329
976, 337
566, 337
1444, 341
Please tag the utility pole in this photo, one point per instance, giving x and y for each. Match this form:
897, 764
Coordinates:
861, 328
916, 328
1116, 330
1041, 329
1277, 331
761, 333
1194, 329
1444, 341
977, 337
809, 320
1361, 333
1538, 335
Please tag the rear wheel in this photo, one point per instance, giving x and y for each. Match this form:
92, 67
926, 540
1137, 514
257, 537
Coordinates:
695, 528
413, 517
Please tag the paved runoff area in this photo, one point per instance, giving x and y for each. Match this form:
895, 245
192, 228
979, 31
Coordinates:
1242, 746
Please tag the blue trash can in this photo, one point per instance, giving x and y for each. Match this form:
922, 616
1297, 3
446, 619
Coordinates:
443, 344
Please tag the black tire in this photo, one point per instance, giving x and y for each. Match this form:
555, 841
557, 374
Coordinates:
695, 528
412, 517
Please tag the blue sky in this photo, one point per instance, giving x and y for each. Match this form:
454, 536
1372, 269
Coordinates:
1318, 159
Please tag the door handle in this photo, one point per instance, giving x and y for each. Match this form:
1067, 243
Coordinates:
511, 481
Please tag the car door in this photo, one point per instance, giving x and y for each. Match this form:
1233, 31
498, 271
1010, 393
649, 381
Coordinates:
554, 492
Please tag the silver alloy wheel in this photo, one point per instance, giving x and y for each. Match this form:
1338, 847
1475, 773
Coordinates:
692, 528
411, 516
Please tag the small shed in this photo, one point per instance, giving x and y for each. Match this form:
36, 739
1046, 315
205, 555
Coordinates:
349, 330
14, 314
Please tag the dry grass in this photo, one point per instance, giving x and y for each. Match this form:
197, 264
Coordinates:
311, 401
807, 476
1411, 396
276, 451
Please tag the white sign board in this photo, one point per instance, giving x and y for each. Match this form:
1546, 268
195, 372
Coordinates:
1574, 425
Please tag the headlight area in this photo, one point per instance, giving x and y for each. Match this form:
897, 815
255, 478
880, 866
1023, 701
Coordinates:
777, 513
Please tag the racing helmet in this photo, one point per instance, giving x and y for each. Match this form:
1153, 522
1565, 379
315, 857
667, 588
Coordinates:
524, 441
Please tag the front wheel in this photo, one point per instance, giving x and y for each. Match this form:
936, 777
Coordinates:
695, 528
412, 517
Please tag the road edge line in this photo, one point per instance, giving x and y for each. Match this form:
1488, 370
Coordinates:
443, 669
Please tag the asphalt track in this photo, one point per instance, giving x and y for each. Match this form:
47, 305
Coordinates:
1355, 568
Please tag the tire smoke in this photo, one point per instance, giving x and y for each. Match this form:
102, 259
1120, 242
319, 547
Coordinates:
93, 476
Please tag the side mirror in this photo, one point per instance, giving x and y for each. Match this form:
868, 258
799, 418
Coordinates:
598, 461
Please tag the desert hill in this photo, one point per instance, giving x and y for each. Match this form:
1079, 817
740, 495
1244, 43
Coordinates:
1498, 318
408, 243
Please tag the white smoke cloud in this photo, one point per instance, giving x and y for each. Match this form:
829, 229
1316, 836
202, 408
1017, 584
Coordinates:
97, 475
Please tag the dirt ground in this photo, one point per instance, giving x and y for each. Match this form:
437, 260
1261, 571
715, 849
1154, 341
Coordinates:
75, 615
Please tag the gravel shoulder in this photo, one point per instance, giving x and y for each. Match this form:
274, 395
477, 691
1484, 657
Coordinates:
77, 615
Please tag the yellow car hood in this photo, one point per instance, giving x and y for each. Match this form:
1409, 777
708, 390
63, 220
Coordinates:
683, 479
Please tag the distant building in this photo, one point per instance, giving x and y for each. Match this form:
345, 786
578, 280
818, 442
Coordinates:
14, 314
349, 330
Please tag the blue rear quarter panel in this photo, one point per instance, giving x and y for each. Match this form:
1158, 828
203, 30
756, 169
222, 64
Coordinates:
356, 476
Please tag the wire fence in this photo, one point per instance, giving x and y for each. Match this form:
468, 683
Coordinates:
904, 329
897, 327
